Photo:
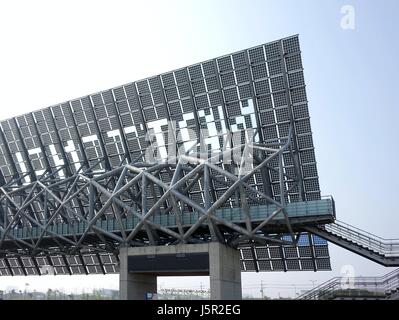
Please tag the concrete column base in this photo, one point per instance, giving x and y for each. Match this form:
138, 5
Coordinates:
224, 272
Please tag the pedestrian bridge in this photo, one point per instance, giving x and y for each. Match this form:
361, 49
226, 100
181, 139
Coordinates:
315, 212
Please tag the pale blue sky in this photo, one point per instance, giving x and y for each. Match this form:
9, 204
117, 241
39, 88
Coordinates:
54, 52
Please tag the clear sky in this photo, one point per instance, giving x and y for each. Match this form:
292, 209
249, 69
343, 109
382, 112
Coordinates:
54, 51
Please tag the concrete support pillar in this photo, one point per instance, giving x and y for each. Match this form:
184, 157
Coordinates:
224, 272
134, 286
223, 267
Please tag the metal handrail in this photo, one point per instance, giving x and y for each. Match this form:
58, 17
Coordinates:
385, 247
349, 226
384, 284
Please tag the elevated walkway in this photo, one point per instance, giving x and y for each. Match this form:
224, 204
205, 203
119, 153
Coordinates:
370, 246
300, 213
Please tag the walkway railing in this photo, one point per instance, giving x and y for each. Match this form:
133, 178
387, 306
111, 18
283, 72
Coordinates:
354, 286
384, 247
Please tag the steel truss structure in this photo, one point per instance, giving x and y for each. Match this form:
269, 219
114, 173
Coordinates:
76, 184
137, 191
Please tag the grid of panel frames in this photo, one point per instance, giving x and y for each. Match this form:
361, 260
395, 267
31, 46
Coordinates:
236, 92
311, 254
258, 87
89, 263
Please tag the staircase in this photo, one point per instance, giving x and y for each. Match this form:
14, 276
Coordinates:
375, 288
372, 247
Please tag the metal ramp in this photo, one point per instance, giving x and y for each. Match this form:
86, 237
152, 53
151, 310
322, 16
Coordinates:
370, 246
381, 288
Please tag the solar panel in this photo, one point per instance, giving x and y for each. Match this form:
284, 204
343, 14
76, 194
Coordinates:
262, 87
60, 265
310, 254
260, 259
259, 90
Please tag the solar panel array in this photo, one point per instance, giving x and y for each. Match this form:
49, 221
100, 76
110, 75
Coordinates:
310, 254
90, 263
261, 87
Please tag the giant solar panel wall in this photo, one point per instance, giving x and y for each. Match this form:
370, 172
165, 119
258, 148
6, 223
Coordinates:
262, 87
